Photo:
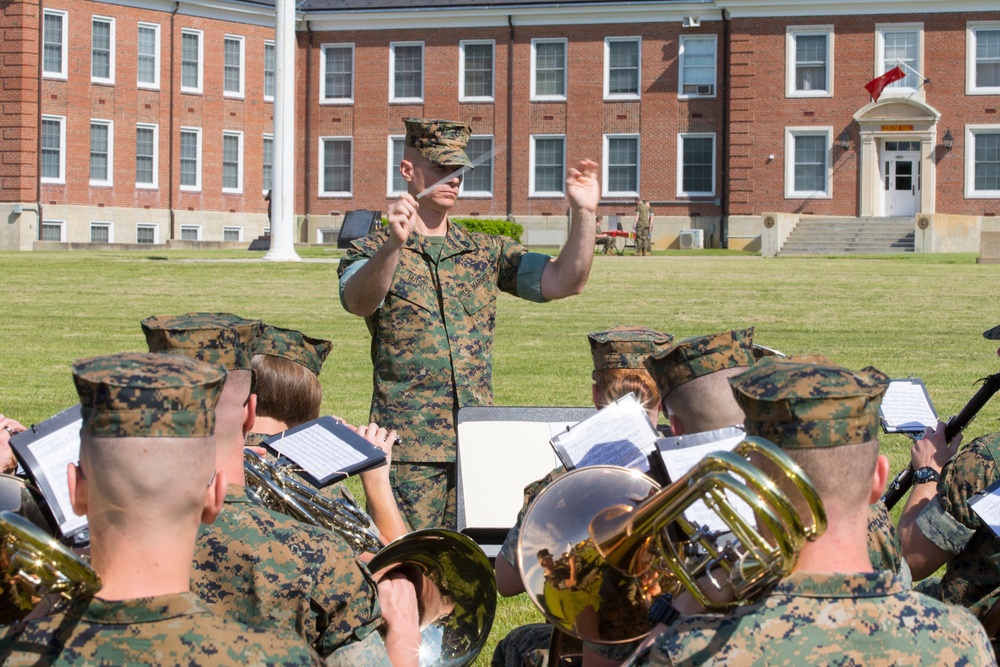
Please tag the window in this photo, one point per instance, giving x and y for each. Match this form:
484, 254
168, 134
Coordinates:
548, 166
807, 162
267, 163
146, 232
697, 66
148, 55
101, 152
900, 44
983, 66
232, 162
809, 61
191, 158
102, 232
53, 157
622, 70
406, 72
335, 166
232, 234
396, 185
54, 44
53, 230
232, 68
621, 165
478, 182
102, 50
548, 69
146, 160
475, 71
270, 65
982, 161
696, 165
336, 71
191, 60
190, 232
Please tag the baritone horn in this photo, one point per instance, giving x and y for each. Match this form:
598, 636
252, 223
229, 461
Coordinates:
599, 544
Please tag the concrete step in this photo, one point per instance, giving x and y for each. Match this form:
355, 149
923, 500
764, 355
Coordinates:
835, 235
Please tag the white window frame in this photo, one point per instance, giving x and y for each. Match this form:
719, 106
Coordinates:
326, 99
971, 86
109, 181
238, 190
607, 69
790, 134
606, 165
273, 45
197, 186
474, 194
110, 226
62, 229
241, 40
64, 57
110, 79
61, 178
680, 67
148, 225
229, 228
183, 228
155, 85
156, 156
535, 96
681, 138
880, 64
462, 97
970, 161
322, 168
532, 192
393, 166
792, 33
194, 90
392, 73
264, 138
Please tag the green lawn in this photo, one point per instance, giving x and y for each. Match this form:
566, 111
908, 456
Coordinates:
919, 315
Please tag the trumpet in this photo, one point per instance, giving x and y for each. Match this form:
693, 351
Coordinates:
623, 541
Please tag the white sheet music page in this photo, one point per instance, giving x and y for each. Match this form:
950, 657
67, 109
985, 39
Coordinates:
619, 434
986, 504
906, 407
318, 451
54, 452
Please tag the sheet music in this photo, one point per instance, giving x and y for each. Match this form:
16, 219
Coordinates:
318, 451
619, 435
54, 453
906, 407
986, 504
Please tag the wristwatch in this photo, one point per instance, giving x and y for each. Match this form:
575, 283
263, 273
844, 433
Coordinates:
662, 610
925, 474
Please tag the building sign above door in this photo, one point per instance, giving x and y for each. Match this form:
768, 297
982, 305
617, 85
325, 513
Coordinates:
897, 128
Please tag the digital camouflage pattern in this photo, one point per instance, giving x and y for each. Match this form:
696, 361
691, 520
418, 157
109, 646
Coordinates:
884, 549
828, 619
972, 577
266, 570
294, 346
626, 347
700, 355
809, 401
643, 227
440, 141
222, 339
147, 395
524, 646
165, 630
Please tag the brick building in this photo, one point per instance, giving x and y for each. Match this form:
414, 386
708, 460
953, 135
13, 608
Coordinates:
149, 121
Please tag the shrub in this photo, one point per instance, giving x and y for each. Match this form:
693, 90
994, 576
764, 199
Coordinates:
492, 226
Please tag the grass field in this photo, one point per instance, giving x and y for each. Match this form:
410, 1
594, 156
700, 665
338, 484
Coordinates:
919, 315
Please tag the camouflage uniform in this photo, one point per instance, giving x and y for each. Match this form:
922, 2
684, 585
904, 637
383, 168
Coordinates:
292, 345
697, 356
884, 549
972, 577
643, 228
432, 337
175, 629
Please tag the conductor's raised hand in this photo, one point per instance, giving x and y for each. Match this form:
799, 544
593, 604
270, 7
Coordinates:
402, 219
583, 186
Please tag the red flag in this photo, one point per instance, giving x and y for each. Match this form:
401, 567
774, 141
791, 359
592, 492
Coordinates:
878, 84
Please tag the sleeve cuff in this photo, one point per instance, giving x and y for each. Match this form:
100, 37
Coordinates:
943, 529
509, 549
529, 276
346, 275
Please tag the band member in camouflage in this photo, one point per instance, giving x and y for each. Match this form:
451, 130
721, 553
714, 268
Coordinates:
699, 356
643, 227
230, 344
146, 479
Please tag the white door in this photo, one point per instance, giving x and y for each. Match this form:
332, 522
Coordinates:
901, 176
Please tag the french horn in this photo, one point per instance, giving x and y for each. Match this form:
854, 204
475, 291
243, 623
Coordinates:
599, 544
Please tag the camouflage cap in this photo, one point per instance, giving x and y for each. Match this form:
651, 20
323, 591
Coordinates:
440, 141
625, 347
147, 395
294, 346
700, 355
218, 338
809, 401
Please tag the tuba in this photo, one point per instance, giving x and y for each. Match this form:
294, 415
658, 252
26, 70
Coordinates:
599, 544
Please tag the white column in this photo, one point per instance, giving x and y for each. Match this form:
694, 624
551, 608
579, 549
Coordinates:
283, 172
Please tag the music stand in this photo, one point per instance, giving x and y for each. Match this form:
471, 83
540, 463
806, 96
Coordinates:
357, 224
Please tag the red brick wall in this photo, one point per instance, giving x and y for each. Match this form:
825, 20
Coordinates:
19, 43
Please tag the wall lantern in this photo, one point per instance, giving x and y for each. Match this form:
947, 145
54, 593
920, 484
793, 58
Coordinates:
948, 141
844, 140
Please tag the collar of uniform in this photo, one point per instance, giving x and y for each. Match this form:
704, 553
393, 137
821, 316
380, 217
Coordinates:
139, 610
839, 585
237, 494
457, 241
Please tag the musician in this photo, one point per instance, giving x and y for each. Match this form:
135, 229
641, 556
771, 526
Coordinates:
833, 609
146, 479
261, 567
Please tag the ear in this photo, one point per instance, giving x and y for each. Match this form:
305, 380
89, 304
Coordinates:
595, 395
406, 170
77, 489
215, 498
676, 425
249, 414
879, 478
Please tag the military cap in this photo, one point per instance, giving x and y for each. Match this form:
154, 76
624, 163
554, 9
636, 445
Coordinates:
440, 141
809, 401
148, 395
992, 334
294, 346
218, 338
700, 355
626, 347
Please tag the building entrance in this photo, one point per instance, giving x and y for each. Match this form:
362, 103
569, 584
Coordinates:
900, 166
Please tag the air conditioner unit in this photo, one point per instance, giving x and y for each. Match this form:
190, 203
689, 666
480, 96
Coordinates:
699, 88
691, 22
692, 239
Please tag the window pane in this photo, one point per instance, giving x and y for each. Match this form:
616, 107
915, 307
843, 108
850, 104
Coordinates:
987, 161
145, 234
810, 164
189, 60
479, 179
268, 162
699, 61
100, 67
699, 159
189, 158
144, 155
408, 69
988, 58
270, 58
100, 234
550, 68
549, 165
230, 234
901, 48
339, 75
189, 233
623, 68
398, 184
478, 70
51, 148
230, 162
98, 152
810, 62
52, 61
51, 231
147, 55
231, 70
623, 164
336, 166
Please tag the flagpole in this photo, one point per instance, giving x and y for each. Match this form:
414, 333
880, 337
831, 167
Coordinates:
900, 63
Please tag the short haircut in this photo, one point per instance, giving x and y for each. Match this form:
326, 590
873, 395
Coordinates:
229, 411
613, 383
286, 391
706, 403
